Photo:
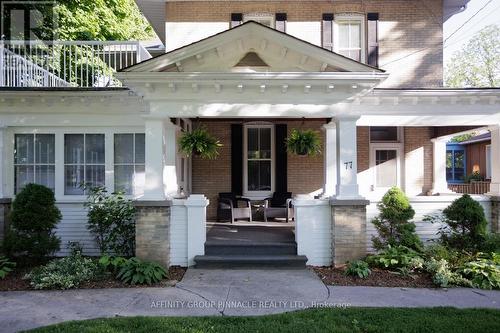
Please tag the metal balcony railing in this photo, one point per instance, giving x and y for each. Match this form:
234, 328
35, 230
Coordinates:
66, 63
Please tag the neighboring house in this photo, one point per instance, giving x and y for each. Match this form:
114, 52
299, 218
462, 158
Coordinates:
367, 74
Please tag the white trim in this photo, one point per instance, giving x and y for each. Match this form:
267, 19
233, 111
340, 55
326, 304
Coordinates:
398, 147
399, 139
257, 194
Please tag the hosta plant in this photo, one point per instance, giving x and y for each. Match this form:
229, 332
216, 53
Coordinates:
136, 271
304, 142
358, 268
6, 266
200, 143
395, 258
484, 272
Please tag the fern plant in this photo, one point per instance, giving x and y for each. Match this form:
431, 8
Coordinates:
199, 142
358, 268
6, 266
304, 142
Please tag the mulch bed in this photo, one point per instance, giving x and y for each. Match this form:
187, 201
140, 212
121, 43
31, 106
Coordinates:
378, 278
14, 281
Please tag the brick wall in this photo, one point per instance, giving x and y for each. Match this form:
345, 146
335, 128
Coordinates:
305, 174
410, 32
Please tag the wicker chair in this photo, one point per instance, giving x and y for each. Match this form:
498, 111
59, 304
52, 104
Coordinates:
228, 208
279, 206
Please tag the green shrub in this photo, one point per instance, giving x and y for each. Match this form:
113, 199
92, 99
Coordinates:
484, 272
304, 142
395, 258
465, 224
393, 224
6, 266
136, 271
443, 275
113, 264
111, 220
491, 243
475, 176
65, 273
358, 268
34, 217
199, 142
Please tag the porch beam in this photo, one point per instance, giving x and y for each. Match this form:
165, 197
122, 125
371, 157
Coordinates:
346, 159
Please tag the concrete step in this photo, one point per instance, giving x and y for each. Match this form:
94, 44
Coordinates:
250, 248
250, 261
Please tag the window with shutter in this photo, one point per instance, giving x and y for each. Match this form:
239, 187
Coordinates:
236, 19
372, 31
327, 31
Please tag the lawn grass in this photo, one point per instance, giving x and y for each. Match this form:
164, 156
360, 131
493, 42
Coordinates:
313, 320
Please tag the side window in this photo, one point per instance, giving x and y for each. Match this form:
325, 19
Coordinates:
34, 160
129, 163
259, 159
83, 162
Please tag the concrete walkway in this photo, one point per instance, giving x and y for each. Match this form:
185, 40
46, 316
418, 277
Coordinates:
221, 292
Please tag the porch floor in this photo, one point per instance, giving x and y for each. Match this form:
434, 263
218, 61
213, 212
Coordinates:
245, 233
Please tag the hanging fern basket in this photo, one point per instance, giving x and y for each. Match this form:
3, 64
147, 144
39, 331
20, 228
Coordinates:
304, 142
199, 143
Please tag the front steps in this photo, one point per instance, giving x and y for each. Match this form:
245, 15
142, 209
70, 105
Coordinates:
227, 254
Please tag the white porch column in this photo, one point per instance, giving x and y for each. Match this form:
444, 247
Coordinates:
2, 160
439, 183
154, 159
495, 161
170, 171
330, 159
346, 158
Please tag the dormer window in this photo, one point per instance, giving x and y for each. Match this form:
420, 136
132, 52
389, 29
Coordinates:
349, 36
266, 19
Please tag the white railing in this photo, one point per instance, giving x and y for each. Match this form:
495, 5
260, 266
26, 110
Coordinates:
66, 63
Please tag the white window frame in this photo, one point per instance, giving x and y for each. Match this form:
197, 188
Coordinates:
488, 161
259, 17
398, 147
133, 164
59, 132
346, 18
257, 194
33, 164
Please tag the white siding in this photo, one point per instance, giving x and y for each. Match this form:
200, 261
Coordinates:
422, 206
178, 236
73, 228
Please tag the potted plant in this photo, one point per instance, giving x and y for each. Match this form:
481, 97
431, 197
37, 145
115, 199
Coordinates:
200, 143
304, 142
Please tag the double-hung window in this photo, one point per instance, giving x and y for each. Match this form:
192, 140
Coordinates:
349, 36
129, 162
34, 160
385, 156
259, 160
84, 162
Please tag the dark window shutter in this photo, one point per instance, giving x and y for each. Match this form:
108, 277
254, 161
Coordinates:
281, 22
237, 159
281, 164
373, 39
327, 31
236, 19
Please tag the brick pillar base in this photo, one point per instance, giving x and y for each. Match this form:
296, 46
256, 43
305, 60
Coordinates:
5, 205
349, 230
152, 231
495, 214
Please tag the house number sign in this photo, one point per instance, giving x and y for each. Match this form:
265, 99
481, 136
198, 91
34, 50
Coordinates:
348, 165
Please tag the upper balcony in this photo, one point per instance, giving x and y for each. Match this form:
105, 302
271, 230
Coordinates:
66, 63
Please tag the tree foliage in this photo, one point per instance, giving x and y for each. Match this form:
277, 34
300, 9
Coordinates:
478, 63
99, 20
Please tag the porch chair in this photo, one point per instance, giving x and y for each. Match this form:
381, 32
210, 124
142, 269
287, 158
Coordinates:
229, 210
279, 206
